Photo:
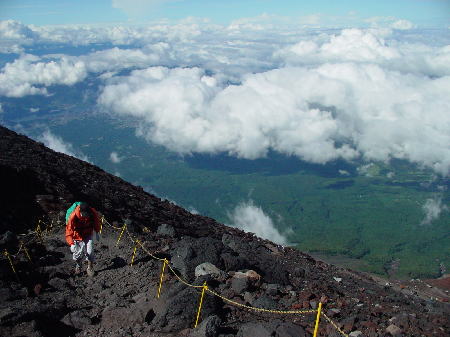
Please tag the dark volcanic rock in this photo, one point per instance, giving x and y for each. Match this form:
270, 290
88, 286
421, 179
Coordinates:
271, 329
191, 252
77, 319
177, 309
167, 230
208, 328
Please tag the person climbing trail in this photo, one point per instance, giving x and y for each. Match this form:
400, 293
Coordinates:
82, 221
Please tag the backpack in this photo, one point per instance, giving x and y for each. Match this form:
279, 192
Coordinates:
71, 210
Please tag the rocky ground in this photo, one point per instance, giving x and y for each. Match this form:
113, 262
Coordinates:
48, 300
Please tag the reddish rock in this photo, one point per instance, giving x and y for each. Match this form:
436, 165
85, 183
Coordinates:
369, 325
296, 306
37, 289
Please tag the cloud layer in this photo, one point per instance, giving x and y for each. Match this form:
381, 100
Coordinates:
59, 145
249, 88
320, 114
251, 218
433, 208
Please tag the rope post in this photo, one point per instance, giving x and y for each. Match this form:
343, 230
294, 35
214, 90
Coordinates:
39, 231
205, 287
120, 236
5, 252
134, 252
26, 252
162, 276
316, 328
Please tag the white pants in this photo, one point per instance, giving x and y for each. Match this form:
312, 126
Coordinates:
83, 249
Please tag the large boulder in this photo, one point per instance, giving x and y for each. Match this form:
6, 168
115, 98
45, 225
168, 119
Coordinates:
176, 309
190, 252
138, 313
78, 319
207, 268
241, 281
208, 328
166, 230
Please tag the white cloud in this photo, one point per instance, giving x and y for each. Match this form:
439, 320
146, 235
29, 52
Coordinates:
117, 59
28, 75
13, 35
369, 46
316, 94
344, 173
402, 25
369, 111
433, 209
57, 144
114, 157
251, 218
367, 170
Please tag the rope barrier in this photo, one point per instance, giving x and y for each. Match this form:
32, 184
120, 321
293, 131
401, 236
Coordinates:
26, 252
120, 236
205, 288
181, 280
334, 325
166, 264
162, 276
150, 254
10, 261
287, 312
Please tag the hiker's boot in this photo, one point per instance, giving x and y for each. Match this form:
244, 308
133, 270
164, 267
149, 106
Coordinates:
77, 270
90, 269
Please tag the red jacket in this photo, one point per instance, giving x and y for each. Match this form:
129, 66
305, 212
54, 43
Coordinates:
79, 228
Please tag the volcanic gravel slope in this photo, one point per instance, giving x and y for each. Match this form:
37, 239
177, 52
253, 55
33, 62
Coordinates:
46, 299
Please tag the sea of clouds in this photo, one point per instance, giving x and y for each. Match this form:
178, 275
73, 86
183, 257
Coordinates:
249, 88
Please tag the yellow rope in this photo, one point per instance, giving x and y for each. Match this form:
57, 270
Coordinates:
116, 228
121, 233
150, 254
10, 261
334, 325
18, 252
285, 312
26, 252
181, 280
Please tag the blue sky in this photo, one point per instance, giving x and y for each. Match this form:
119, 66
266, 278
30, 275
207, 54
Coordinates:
422, 13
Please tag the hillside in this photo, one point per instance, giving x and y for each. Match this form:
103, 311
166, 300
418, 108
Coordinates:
45, 299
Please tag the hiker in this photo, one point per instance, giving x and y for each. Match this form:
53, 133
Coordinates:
81, 225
